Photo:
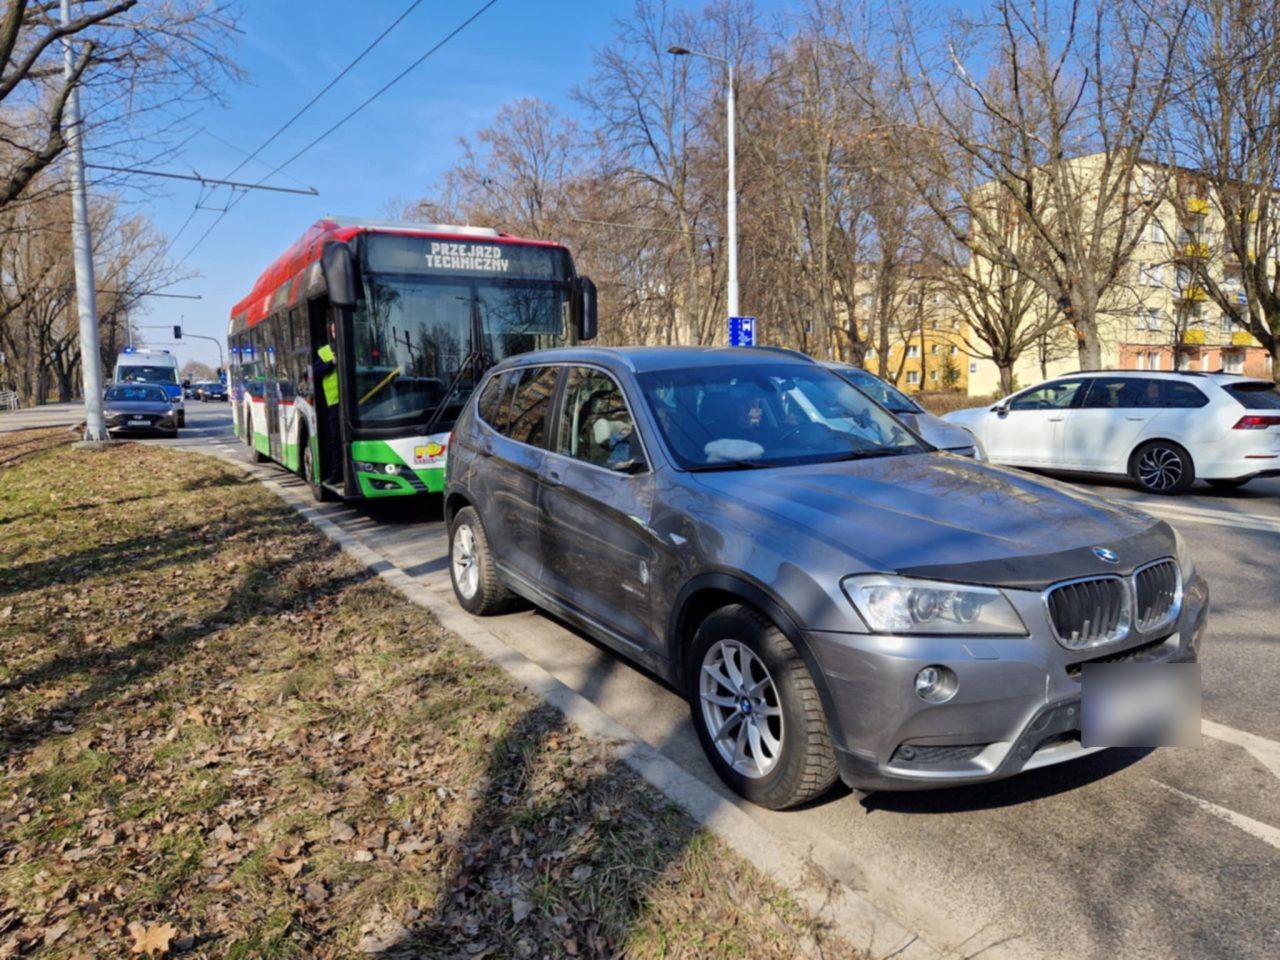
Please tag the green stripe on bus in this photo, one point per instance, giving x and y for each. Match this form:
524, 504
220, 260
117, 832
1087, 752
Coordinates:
375, 451
261, 443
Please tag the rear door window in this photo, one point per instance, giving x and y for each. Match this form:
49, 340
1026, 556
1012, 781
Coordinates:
1121, 393
531, 404
1255, 394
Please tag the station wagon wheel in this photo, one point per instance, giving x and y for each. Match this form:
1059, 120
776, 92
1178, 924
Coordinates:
757, 711
471, 567
1162, 466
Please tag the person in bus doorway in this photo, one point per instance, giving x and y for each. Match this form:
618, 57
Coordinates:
327, 373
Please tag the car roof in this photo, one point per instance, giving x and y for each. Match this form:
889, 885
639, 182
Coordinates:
1218, 377
646, 359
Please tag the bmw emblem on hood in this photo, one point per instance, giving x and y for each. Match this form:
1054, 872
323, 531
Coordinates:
1102, 553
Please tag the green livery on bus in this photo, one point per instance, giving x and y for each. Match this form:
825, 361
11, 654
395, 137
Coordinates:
355, 351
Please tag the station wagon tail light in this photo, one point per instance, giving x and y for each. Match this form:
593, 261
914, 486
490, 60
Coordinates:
903, 605
1256, 421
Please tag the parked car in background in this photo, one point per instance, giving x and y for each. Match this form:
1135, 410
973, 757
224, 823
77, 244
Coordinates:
833, 596
1163, 430
935, 430
139, 408
211, 390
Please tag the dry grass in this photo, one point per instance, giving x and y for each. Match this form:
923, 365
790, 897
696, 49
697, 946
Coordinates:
220, 735
941, 402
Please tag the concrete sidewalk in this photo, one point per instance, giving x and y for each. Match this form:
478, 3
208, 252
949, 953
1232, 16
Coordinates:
49, 415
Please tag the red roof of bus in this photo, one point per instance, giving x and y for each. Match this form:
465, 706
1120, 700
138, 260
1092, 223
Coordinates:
307, 249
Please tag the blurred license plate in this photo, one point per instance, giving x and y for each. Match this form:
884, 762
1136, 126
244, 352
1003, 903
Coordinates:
140, 423
1140, 705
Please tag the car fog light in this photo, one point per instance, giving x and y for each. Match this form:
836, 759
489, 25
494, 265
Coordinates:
936, 684
391, 468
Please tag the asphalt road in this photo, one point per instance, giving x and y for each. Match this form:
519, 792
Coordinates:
1171, 853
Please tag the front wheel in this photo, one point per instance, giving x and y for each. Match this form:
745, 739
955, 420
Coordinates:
471, 567
757, 711
318, 490
1162, 467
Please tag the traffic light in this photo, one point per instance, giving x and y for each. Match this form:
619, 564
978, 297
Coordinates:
177, 331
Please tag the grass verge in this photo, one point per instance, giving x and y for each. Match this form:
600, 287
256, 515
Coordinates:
220, 737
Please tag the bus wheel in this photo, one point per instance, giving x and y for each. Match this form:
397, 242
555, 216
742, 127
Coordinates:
318, 490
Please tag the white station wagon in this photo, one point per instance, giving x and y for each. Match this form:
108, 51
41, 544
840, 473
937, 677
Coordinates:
1164, 430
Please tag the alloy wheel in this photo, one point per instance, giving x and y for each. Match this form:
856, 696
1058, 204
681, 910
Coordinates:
1160, 468
466, 569
740, 708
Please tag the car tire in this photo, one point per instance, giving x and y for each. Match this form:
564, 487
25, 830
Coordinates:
802, 765
307, 469
471, 567
1162, 467
170, 434
1228, 484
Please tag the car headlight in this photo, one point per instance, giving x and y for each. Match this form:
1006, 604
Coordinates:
1185, 562
903, 605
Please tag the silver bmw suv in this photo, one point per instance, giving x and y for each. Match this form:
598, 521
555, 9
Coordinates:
834, 597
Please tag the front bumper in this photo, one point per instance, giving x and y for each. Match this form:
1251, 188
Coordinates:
1017, 706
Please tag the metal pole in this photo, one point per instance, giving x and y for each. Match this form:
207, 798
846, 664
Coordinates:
732, 293
95, 427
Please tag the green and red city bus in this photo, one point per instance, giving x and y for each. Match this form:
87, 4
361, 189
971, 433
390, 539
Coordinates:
414, 315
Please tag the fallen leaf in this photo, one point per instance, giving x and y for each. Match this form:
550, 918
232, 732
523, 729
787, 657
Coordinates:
224, 834
151, 938
315, 893
56, 931
581, 873
362, 856
571, 947
520, 909
342, 832
291, 870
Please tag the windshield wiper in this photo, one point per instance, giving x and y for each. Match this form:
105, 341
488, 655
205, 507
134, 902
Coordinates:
872, 454
732, 465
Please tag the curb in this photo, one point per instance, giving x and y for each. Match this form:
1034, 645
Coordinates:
847, 912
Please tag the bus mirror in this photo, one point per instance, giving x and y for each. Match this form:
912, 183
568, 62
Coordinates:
339, 274
584, 308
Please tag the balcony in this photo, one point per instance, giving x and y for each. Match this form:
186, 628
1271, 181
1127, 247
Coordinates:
1197, 206
1193, 338
1192, 250
1241, 338
1193, 294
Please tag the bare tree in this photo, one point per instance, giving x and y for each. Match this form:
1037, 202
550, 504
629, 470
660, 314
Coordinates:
1223, 126
132, 62
1058, 124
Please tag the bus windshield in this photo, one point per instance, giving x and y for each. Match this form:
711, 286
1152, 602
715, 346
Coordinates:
412, 336
146, 374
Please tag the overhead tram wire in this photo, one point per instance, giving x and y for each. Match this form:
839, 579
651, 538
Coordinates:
374, 96
283, 127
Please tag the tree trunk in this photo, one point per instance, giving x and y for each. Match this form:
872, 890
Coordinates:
1090, 346
1006, 376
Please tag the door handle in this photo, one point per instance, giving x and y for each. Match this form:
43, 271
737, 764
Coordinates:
1138, 419
1056, 419
553, 479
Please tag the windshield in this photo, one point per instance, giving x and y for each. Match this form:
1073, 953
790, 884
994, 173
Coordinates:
412, 339
768, 414
891, 398
141, 374
137, 393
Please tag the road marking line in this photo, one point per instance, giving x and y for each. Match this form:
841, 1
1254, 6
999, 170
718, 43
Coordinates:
1256, 828
1266, 752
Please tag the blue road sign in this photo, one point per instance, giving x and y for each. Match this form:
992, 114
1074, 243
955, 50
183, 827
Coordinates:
742, 331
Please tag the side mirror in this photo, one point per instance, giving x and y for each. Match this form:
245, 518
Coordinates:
583, 308
632, 466
339, 274
1001, 409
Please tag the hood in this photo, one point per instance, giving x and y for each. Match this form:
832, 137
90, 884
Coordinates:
939, 433
947, 516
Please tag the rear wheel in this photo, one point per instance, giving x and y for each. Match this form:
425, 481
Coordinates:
471, 567
1232, 484
757, 711
1163, 467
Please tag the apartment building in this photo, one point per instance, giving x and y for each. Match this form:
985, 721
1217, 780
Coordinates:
1159, 317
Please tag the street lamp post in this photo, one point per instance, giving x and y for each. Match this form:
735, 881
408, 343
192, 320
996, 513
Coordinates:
731, 292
